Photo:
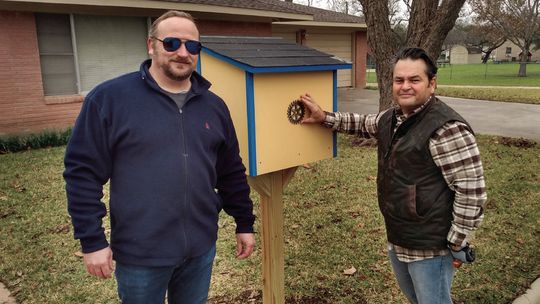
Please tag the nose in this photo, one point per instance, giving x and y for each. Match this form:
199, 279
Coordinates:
406, 85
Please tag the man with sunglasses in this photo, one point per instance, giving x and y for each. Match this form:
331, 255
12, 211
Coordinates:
169, 149
430, 181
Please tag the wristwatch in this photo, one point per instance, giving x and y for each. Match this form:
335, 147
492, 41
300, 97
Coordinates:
465, 254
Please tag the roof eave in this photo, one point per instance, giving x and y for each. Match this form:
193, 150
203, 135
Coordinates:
161, 5
323, 24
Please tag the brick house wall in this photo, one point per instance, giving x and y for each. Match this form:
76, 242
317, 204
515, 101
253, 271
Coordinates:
25, 109
216, 28
23, 106
361, 51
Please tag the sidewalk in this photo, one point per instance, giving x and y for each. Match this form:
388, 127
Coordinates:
5, 297
531, 296
486, 117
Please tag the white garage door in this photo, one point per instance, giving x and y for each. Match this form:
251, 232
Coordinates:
331, 42
288, 35
337, 44
108, 47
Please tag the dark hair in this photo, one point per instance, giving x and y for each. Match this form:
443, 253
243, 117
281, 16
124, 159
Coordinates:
415, 54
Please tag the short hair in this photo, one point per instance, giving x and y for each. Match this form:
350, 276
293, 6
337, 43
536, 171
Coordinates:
416, 54
170, 14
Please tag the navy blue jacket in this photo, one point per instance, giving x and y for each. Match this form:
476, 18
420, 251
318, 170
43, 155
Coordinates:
171, 171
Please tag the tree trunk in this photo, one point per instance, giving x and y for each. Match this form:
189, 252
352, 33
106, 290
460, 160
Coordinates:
522, 69
383, 46
523, 59
441, 21
429, 24
486, 56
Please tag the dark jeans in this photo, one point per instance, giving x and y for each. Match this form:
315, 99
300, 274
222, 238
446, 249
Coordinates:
186, 283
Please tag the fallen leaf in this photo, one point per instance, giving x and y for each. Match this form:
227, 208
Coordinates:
17, 186
78, 254
254, 294
64, 228
349, 271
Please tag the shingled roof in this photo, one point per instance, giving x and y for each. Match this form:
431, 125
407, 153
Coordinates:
254, 53
280, 6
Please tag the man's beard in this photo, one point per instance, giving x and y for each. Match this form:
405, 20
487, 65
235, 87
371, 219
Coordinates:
175, 74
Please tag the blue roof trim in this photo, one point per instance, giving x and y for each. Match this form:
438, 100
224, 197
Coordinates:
334, 109
252, 143
199, 65
308, 68
256, 70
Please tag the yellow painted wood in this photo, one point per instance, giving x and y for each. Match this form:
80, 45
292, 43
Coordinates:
281, 144
270, 187
229, 83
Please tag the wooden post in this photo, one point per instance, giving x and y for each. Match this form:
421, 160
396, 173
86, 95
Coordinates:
270, 187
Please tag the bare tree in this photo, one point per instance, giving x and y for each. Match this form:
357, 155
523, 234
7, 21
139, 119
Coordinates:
482, 37
351, 7
485, 37
518, 20
429, 23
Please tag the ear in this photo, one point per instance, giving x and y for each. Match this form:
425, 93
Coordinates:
150, 46
433, 84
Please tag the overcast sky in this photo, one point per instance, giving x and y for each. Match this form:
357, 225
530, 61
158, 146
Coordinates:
315, 3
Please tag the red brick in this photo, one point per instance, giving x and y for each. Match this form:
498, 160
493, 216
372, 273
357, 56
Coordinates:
22, 103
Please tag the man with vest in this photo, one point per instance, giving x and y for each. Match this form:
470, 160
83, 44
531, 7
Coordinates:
430, 181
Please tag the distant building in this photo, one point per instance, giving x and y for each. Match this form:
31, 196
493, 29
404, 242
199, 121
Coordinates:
460, 54
509, 52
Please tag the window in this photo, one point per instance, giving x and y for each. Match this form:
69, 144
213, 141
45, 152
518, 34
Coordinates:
108, 46
508, 51
77, 52
56, 54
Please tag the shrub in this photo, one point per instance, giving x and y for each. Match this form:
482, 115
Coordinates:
45, 139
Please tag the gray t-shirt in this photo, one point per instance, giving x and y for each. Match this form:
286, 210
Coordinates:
179, 98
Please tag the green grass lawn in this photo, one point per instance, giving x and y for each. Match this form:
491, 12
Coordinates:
332, 223
451, 77
482, 75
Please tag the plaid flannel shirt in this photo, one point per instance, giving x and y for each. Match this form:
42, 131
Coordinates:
455, 152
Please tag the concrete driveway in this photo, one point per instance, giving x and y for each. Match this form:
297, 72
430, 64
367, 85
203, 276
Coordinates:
486, 117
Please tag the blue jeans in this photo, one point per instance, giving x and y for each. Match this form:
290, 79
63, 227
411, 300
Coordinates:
186, 283
425, 282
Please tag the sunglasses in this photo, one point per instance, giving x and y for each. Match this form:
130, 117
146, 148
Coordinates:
171, 44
